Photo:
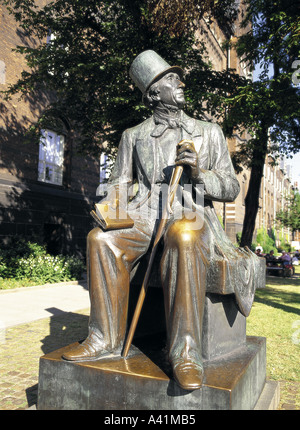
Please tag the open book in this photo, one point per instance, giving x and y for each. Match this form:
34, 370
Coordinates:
111, 219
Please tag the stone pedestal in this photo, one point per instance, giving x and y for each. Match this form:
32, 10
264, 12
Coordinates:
234, 367
144, 382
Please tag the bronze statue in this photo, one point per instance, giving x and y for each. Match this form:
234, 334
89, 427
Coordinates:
197, 257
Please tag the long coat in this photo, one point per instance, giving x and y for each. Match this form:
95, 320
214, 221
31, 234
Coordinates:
231, 270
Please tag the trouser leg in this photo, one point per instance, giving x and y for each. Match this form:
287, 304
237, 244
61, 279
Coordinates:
110, 258
183, 271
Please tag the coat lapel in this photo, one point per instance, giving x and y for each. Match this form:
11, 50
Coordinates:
192, 131
145, 148
146, 144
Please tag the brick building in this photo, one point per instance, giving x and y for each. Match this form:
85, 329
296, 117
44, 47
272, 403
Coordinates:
46, 190
276, 187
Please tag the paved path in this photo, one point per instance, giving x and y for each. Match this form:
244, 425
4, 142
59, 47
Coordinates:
28, 304
35, 321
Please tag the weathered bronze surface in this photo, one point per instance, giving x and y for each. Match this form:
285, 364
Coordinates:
144, 381
197, 257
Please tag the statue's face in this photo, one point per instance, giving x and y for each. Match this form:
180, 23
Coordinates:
171, 90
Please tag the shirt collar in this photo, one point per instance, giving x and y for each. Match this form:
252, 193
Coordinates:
170, 117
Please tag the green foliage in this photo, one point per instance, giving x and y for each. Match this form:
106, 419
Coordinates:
238, 238
220, 218
271, 43
265, 240
290, 215
176, 17
284, 244
27, 260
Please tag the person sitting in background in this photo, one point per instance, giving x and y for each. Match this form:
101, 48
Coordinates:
295, 261
285, 258
270, 258
258, 252
259, 248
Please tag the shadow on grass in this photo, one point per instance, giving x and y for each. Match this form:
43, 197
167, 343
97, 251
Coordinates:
279, 298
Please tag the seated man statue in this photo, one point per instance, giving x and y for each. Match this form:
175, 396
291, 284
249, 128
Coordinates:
197, 256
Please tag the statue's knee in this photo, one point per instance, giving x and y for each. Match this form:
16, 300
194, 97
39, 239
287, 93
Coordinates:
181, 233
95, 236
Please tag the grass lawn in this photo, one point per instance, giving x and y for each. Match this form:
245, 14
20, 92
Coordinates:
8, 284
276, 315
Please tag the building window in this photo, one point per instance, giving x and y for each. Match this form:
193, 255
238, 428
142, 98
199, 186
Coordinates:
51, 157
104, 175
104, 166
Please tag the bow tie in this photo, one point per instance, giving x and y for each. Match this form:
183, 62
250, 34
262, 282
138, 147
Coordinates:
164, 121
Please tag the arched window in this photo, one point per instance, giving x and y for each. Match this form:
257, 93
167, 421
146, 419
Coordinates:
51, 157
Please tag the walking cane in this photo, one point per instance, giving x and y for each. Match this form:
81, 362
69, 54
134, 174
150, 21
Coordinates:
176, 175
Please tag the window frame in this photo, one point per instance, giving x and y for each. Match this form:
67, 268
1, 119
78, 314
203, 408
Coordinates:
54, 160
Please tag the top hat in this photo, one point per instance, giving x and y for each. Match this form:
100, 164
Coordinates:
148, 67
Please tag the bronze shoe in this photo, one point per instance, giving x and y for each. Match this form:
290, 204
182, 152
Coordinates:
89, 350
187, 373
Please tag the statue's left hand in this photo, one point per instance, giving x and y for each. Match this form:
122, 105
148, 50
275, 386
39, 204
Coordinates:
187, 156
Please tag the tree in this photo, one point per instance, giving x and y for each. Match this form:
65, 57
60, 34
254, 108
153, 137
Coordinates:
290, 215
268, 108
178, 17
86, 62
